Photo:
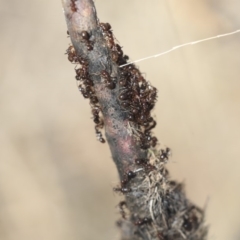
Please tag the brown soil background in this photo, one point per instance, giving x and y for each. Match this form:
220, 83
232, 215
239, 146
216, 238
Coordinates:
55, 179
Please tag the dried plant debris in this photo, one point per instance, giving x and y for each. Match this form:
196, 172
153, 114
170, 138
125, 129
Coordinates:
155, 207
169, 214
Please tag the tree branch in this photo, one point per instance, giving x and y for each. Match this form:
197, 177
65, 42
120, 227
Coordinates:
122, 100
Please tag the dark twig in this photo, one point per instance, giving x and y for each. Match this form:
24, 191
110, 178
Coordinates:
122, 100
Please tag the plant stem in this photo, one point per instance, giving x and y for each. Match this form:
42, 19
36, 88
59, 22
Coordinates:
157, 208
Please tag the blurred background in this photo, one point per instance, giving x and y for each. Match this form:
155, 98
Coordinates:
56, 179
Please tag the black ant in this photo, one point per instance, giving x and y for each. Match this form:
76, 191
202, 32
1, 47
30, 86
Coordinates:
99, 135
110, 41
127, 177
114, 56
83, 91
165, 154
86, 38
72, 57
93, 100
86, 85
122, 190
121, 207
154, 141
119, 50
85, 35
117, 53
146, 140
105, 27
141, 161
95, 112
154, 123
82, 73
83, 62
153, 95
108, 81
192, 219
144, 162
125, 95
125, 104
187, 224
131, 117
98, 121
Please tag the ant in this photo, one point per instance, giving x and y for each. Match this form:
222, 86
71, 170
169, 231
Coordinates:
131, 117
93, 100
123, 82
125, 95
146, 139
192, 219
82, 74
165, 153
125, 104
106, 28
141, 161
114, 56
127, 177
117, 53
144, 162
122, 190
119, 50
121, 207
153, 95
142, 221
154, 141
83, 91
72, 57
95, 112
149, 128
99, 135
86, 38
98, 121
188, 224
108, 81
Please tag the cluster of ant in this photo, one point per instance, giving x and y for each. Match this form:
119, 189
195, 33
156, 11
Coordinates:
85, 86
136, 96
116, 51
